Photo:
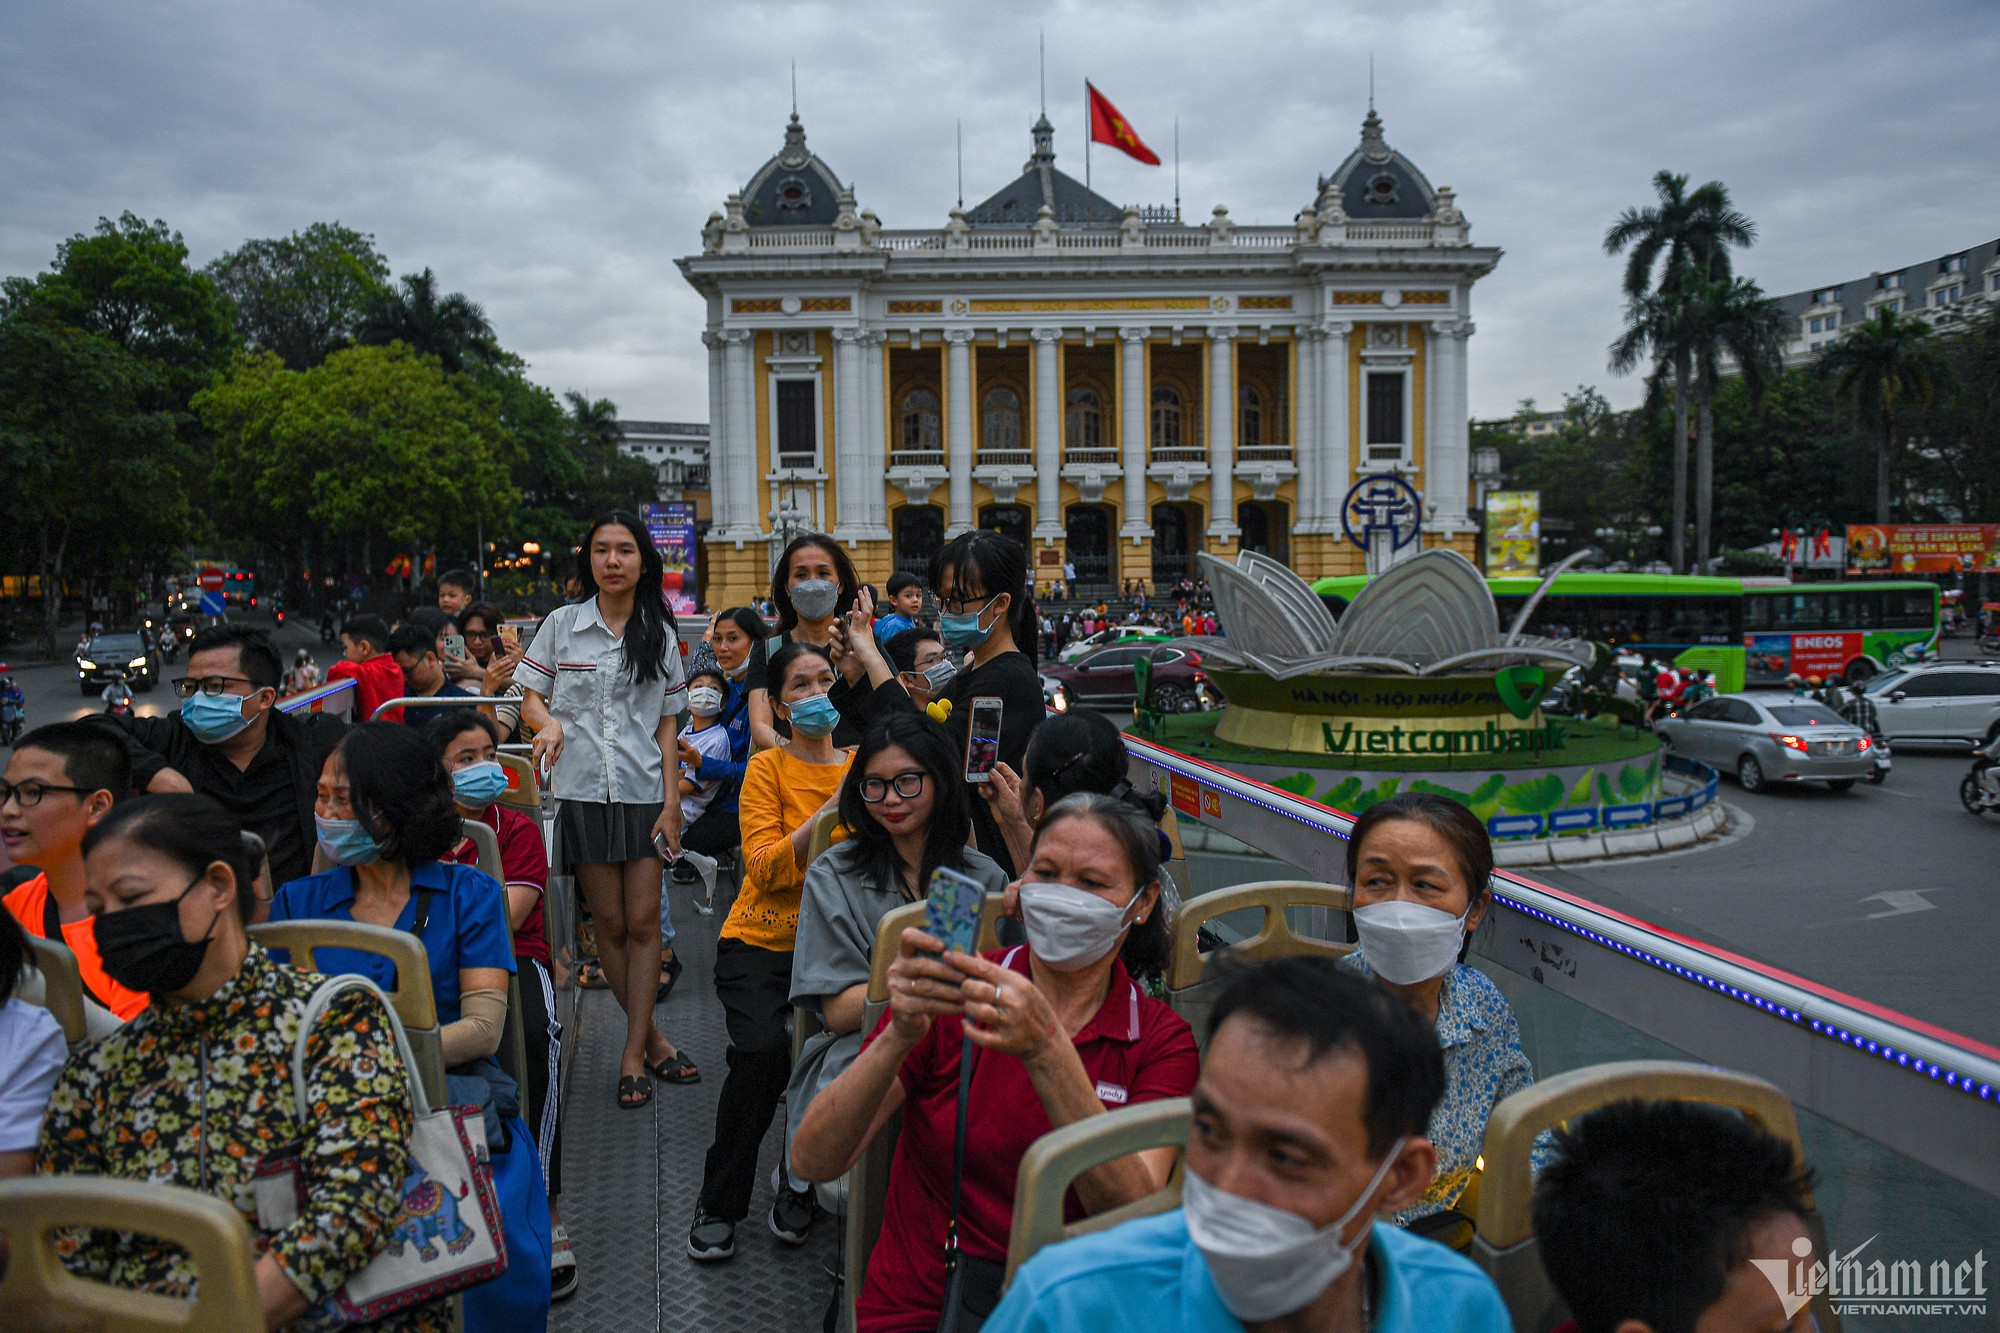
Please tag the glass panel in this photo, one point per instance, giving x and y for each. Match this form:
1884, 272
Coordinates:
1385, 409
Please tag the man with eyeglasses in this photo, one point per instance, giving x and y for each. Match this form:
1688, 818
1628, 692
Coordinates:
61, 780
229, 742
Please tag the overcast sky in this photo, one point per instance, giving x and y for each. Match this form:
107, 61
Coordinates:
552, 160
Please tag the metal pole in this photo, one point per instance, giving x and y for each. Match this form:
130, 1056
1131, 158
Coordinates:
479, 555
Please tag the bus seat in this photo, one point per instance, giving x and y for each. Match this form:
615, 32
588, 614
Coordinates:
1190, 981
415, 1003
512, 1054
37, 1291
868, 1179
1055, 1160
62, 987
824, 825
1505, 1244
488, 845
524, 789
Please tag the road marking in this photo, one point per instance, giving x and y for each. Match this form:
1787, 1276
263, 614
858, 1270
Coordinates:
1900, 902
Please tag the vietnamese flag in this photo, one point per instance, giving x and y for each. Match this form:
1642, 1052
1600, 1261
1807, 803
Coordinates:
1108, 125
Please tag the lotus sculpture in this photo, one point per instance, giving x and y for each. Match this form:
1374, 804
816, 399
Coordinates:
1431, 615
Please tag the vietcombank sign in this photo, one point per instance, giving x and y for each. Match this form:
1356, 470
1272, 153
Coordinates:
1369, 737
1389, 716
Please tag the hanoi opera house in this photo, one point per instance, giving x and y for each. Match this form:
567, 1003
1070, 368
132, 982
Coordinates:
1112, 387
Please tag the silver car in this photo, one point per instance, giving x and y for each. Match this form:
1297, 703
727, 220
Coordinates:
1767, 738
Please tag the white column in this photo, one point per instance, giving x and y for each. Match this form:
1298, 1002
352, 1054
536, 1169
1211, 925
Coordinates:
958, 446
875, 428
1134, 403
1048, 437
1336, 451
1222, 432
1457, 426
1305, 439
740, 371
719, 456
852, 466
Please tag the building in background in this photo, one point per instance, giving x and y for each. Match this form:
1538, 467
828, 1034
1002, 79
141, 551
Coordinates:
1115, 389
678, 451
1819, 315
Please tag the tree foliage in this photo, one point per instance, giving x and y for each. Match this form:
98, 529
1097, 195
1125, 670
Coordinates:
303, 296
451, 327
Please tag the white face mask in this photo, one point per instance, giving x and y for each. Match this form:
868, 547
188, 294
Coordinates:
1267, 1262
704, 701
1406, 942
1068, 928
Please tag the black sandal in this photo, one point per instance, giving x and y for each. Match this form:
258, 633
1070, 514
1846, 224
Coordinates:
633, 1092
676, 1068
670, 970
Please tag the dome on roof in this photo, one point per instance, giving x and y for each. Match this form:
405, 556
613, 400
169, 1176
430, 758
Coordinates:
1040, 185
793, 189
1376, 181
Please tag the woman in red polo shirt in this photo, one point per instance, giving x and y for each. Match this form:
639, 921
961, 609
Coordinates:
1060, 1030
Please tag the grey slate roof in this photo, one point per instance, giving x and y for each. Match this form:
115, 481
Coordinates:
1018, 203
793, 189
1853, 295
1376, 181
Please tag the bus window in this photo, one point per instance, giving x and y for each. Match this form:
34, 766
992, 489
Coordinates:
1334, 603
1861, 608
1910, 608
1757, 612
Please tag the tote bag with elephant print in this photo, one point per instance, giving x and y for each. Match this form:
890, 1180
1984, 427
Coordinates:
448, 1235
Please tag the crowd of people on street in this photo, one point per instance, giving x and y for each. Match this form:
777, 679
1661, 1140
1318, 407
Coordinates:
1338, 1106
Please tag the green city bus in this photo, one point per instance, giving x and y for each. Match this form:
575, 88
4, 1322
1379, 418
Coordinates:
1747, 633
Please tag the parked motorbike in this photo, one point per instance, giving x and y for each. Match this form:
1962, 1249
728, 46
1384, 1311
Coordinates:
1972, 791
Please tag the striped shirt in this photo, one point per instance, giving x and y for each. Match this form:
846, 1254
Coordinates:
609, 752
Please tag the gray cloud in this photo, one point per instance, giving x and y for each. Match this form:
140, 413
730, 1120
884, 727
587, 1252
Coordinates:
553, 161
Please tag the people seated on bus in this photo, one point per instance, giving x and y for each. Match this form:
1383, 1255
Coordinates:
416, 652
229, 742
489, 665
467, 743
32, 1051
158, 1101
904, 603
1308, 1128
62, 780
734, 638
922, 666
904, 805
813, 586
1673, 1217
1059, 1031
1069, 753
364, 653
1422, 867
785, 790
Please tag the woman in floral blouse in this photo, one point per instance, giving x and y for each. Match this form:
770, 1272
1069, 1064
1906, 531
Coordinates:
197, 1090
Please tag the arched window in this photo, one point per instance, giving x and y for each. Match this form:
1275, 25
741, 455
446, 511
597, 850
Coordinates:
1250, 429
1000, 422
920, 422
1166, 418
1083, 426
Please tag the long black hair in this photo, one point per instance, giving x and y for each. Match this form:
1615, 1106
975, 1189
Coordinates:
400, 792
780, 665
992, 564
843, 574
650, 634
1149, 944
871, 845
192, 830
1082, 751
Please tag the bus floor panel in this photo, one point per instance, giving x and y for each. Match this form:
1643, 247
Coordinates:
631, 1178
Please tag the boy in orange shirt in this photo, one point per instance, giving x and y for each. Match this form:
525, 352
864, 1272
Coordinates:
364, 644
61, 780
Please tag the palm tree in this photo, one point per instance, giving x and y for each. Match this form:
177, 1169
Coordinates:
1882, 365
1687, 235
1733, 318
453, 328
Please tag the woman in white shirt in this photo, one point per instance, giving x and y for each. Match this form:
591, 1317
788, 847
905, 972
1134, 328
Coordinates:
32, 1052
603, 687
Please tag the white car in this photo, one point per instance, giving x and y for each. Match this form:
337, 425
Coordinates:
1938, 701
1104, 638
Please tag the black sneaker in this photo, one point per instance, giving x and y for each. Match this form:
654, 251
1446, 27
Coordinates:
683, 873
792, 1215
710, 1238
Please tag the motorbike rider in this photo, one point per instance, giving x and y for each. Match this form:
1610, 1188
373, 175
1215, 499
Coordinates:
1989, 777
13, 706
117, 695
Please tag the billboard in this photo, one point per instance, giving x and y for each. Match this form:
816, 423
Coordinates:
671, 527
1513, 533
1896, 549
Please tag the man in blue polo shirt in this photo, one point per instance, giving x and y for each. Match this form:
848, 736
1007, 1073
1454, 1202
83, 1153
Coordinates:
1309, 1120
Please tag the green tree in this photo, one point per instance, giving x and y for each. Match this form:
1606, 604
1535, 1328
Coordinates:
1884, 366
1686, 236
1961, 424
303, 296
451, 327
1729, 317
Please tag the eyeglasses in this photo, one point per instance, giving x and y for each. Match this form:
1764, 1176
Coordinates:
30, 792
472, 634
909, 786
958, 606
187, 685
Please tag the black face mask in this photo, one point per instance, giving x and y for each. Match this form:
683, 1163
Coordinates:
142, 948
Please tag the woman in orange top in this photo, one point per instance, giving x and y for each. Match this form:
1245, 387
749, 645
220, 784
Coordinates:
784, 791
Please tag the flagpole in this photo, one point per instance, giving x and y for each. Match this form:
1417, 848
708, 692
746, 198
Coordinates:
1087, 135
1177, 168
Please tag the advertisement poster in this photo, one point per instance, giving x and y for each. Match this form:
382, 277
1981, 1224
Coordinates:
1767, 658
671, 526
1513, 533
1770, 658
1895, 549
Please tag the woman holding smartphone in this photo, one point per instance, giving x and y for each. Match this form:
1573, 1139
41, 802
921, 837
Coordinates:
602, 689
813, 588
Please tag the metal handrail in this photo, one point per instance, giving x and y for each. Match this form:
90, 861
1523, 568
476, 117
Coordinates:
448, 701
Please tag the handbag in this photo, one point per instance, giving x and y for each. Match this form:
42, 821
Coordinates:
971, 1285
448, 1235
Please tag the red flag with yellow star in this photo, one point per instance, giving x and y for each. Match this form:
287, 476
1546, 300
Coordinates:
1108, 125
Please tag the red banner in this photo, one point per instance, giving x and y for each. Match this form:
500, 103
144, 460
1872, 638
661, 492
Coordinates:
1921, 548
1108, 125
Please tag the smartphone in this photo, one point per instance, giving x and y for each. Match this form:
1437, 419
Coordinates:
667, 854
453, 645
511, 635
951, 909
982, 739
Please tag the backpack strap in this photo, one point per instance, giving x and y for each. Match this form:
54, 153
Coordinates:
316, 1007
423, 916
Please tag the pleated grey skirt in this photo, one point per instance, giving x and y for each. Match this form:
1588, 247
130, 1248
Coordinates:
592, 832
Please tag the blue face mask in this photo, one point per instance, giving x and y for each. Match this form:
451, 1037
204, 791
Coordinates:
346, 843
214, 718
815, 715
961, 634
480, 783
